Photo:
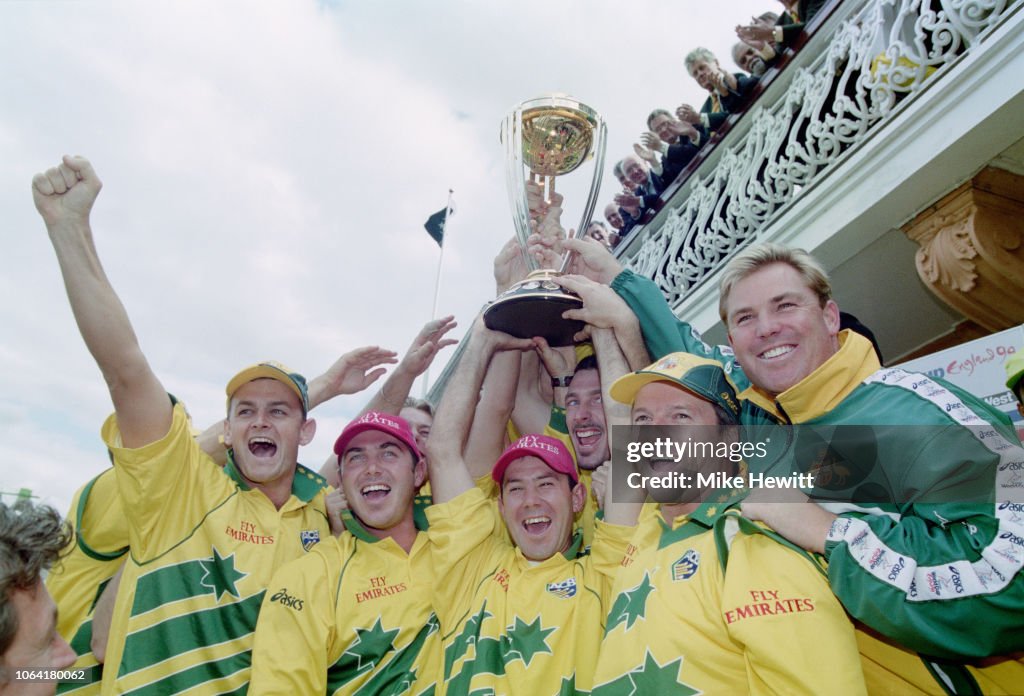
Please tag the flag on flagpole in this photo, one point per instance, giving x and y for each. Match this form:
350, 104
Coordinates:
436, 222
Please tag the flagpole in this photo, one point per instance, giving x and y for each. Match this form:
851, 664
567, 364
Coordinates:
437, 282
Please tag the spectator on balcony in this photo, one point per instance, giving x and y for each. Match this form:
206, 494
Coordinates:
615, 219
597, 231
787, 28
677, 141
753, 60
619, 173
644, 183
727, 93
630, 202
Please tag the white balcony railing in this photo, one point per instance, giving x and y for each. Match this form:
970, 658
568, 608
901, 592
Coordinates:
864, 64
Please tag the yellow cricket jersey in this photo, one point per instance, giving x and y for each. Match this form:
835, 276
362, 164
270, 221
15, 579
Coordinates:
92, 558
204, 547
509, 625
892, 670
354, 616
709, 605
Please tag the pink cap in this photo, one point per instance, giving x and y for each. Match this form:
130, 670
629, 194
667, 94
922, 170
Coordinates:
376, 420
550, 450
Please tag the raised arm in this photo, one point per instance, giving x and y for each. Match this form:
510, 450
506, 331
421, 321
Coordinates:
449, 475
603, 309
64, 196
425, 347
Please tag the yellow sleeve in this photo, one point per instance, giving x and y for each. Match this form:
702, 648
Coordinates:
166, 486
99, 521
295, 628
462, 540
606, 554
795, 635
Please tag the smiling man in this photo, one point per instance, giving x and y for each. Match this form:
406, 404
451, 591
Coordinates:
704, 597
522, 613
924, 550
355, 615
204, 540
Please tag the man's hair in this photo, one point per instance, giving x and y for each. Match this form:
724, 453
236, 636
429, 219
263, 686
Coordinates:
699, 53
618, 170
599, 224
31, 540
738, 48
656, 113
587, 363
419, 405
761, 255
772, 17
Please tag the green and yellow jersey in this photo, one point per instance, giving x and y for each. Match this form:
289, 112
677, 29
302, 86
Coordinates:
94, 555
510, 625
709, 603
354, 616
204, 547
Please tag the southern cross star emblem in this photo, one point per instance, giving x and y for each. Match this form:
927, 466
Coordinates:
220, 575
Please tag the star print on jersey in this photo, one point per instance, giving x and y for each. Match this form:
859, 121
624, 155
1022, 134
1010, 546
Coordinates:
650, 678
219, 574
524, 640
630, 605
370, 646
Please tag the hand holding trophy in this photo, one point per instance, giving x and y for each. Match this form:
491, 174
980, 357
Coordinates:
545, 139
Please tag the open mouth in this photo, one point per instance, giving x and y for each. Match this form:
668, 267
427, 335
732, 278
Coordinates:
776, 352
663, 466
262, 447
536, 525
588, 436
375, 491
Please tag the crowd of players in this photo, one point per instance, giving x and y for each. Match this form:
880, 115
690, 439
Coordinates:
481, 549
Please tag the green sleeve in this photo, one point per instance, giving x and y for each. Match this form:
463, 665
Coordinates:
942, 575
665, 333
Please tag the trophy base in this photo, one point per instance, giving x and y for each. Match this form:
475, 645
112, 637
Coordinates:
533, 307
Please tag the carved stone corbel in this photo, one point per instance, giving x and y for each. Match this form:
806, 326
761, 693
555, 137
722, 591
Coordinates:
971, 254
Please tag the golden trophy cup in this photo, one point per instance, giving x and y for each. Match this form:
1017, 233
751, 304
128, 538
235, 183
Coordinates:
547, 138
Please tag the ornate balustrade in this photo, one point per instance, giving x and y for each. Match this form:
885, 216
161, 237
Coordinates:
866, 62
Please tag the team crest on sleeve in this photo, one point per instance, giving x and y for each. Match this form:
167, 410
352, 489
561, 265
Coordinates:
310, 538
564, 589
686, 566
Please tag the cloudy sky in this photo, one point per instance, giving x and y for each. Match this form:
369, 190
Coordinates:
267, 170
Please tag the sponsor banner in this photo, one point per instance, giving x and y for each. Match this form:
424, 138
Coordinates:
979, 367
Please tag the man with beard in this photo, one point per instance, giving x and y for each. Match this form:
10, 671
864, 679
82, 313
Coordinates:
749, 59
204, 540
356, 614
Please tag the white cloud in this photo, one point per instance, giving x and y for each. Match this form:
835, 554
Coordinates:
268, 167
